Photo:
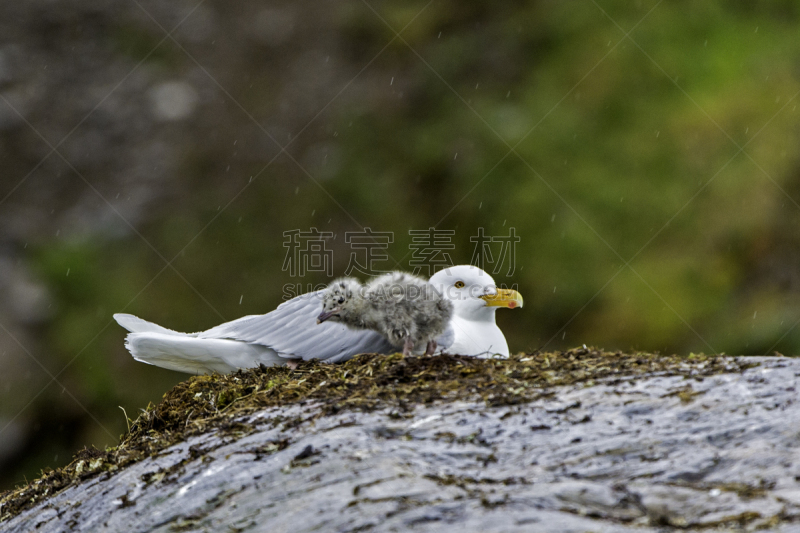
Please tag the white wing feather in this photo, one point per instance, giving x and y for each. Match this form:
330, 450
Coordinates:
292, 331
185, 353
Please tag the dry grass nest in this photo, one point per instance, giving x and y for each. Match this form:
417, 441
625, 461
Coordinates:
366, 382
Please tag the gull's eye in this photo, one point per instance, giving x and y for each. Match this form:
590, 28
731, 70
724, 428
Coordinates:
459, 284
341, 300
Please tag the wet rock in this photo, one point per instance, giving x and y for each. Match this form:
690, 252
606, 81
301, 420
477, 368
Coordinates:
685, 507
636, 453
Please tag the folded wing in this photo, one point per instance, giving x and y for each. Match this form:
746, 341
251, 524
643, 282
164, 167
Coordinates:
289, 332
292, 331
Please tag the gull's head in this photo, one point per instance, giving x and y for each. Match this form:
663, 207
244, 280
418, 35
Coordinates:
473, 292
341, 301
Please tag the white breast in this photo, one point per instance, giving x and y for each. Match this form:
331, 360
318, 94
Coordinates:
481, 338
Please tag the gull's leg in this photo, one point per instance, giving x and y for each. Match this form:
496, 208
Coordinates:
430, 348
292, 363
408, 346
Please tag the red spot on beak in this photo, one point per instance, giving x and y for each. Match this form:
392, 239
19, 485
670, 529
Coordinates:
512, 305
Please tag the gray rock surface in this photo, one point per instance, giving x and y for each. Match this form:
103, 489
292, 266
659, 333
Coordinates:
637, 454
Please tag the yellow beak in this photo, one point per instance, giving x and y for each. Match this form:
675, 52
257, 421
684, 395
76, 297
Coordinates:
504, 298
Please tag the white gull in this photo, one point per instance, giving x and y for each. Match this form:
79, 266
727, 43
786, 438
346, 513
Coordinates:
291, 333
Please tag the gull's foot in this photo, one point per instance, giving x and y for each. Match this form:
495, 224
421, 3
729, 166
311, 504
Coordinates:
292, 363
408, 347
430, 348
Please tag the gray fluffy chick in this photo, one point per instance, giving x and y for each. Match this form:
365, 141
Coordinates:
405, 309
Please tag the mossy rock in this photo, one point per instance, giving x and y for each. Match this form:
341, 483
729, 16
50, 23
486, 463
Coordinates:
395, 384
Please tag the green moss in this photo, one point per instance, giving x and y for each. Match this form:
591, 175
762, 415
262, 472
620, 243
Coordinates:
366, 382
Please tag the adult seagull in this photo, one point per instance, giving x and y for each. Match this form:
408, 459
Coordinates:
290, 333
475, 298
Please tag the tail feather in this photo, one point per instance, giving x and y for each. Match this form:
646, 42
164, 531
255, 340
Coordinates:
189, 354
135, 324
185, 352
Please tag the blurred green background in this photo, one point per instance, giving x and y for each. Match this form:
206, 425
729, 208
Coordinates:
645, 153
